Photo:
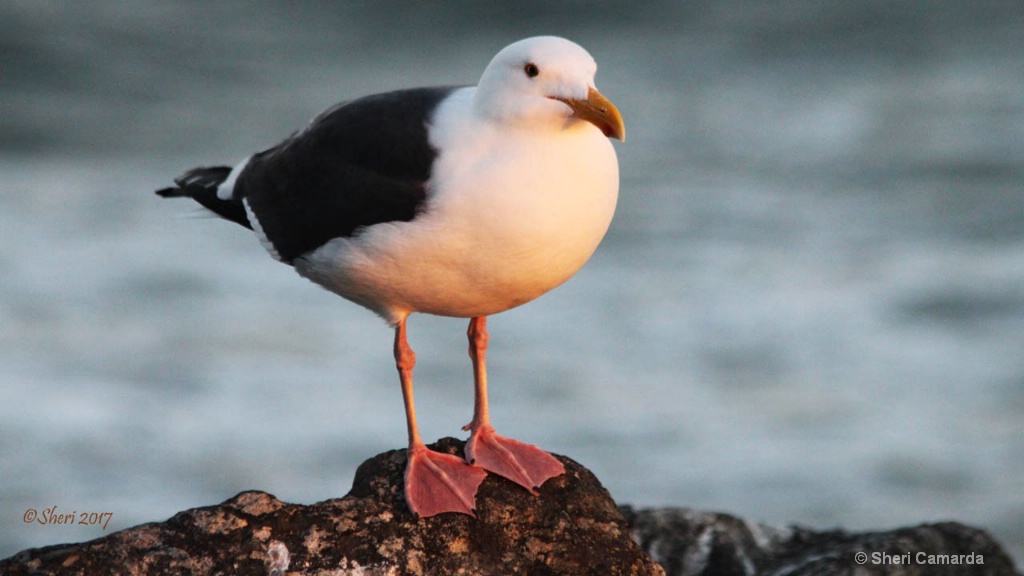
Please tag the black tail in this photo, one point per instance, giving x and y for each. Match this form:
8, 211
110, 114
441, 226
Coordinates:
200, 184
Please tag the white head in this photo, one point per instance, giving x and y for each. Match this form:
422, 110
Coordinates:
545, 81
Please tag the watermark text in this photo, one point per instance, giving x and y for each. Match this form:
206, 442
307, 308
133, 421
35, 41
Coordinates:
53, 516
918, 558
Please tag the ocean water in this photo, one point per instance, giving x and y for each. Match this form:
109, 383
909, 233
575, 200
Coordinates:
809, 309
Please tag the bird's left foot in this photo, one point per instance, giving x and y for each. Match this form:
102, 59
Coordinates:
436, 483
522, 463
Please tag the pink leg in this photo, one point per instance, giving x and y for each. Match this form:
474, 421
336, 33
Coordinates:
434, 483
524, 464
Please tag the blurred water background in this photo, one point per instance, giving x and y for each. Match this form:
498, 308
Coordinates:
810, 306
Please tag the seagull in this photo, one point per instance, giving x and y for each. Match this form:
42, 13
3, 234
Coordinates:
459, 201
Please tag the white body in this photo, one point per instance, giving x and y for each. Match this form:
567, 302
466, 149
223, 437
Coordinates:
509, 216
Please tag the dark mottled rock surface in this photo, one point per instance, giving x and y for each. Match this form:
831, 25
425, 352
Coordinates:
574, 528
692, 542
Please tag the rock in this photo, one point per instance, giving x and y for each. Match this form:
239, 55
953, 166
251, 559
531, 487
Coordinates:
688, 542
574, 528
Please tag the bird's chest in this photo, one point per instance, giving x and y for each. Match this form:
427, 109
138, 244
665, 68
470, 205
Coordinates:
539, 199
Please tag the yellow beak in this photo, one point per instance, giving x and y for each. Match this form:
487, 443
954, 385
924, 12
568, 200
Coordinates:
600, 112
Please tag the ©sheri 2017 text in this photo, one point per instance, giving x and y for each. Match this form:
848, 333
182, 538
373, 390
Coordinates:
51, 516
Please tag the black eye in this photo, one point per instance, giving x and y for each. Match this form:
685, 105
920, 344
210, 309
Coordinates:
531, 70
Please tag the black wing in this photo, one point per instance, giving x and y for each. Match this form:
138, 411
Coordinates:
357, 164
200, 184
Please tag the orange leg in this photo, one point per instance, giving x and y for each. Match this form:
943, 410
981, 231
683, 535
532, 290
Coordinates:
434, 483
524, 464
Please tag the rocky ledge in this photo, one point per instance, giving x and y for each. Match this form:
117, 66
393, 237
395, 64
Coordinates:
573, 528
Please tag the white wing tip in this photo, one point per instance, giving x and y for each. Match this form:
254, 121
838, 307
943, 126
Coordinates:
227, 188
